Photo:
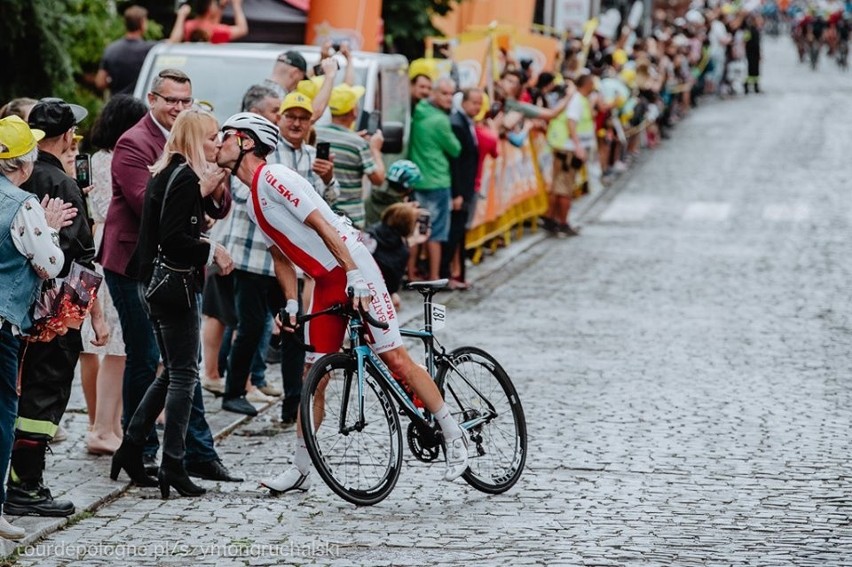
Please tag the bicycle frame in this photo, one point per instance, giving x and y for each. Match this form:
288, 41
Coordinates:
365, 355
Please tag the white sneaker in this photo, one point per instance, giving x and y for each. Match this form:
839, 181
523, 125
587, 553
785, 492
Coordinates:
456, 452
619, 167
255, 396
271, 391
291, 479
215, 386
60, 435
8, 531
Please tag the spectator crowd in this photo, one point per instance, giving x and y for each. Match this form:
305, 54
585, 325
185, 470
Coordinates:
610, 97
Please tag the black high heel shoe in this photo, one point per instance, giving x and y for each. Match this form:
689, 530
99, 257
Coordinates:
129, 457
172, 474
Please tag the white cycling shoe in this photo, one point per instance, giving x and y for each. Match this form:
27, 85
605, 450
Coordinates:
10, 532
289, 480
455, 451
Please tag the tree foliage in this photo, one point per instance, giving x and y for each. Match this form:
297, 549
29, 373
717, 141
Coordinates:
408, 23
53, 47
36, 61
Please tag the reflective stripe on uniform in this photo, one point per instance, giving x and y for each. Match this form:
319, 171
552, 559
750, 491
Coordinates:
36, 426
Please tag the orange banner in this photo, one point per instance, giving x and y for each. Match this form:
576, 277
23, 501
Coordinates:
355, 21
542, 49
518, 175
471, 57
482, 12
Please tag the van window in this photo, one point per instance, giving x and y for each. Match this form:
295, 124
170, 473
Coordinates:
222, 81
395, 95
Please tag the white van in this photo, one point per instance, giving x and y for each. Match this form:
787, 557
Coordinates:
221, 74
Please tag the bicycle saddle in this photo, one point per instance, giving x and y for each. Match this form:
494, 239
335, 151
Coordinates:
430, 285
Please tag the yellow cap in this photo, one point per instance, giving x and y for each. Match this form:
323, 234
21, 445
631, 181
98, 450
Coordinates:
486, 105
296, 100
310, 87
423, 66
619, 57
344, 98
629, 77
17, 138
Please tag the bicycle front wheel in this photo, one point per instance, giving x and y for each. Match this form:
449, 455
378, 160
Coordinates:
358, 454
478, 391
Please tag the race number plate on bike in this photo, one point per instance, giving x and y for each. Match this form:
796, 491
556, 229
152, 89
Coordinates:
439, 316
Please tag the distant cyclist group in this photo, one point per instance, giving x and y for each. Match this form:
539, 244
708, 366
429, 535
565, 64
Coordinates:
820, 26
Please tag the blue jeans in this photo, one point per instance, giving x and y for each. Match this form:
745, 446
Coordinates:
9, 345
140, 369
437, 202
140, 347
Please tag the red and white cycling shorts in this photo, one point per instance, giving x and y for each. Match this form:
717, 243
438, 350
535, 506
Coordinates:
326, 333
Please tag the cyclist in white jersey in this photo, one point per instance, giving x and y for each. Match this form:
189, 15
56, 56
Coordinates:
301, 230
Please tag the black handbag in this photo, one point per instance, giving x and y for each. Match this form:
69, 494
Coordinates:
170, 286
576, 163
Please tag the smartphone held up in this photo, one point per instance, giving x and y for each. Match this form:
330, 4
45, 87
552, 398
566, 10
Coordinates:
374, 122
83, 168
323, 150
424, 222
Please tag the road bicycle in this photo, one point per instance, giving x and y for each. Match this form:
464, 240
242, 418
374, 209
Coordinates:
814, 47
351, 406
843, 55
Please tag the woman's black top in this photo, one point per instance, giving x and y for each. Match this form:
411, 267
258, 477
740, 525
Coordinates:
178, 234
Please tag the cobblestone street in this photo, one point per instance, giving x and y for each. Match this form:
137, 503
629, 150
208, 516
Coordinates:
684, 367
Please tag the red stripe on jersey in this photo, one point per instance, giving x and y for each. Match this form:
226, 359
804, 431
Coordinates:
297, 255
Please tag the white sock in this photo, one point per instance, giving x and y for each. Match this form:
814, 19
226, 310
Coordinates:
302, 460
449, 426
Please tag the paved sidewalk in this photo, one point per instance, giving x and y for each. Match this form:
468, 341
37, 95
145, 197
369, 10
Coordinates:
73, 474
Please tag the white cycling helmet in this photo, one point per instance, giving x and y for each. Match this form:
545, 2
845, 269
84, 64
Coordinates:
264, 131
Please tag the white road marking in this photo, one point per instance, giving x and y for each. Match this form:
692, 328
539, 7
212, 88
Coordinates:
707, 211
786, 212
627, 210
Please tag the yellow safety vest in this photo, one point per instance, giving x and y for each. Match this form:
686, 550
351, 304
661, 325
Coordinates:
558, 136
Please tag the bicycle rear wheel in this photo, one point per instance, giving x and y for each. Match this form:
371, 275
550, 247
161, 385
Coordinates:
358, 459
474, 385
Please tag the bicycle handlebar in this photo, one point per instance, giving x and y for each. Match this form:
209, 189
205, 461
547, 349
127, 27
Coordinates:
285, 324
372, 321
340, 309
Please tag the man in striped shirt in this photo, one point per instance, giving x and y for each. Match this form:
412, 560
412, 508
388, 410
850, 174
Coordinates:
355, 154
